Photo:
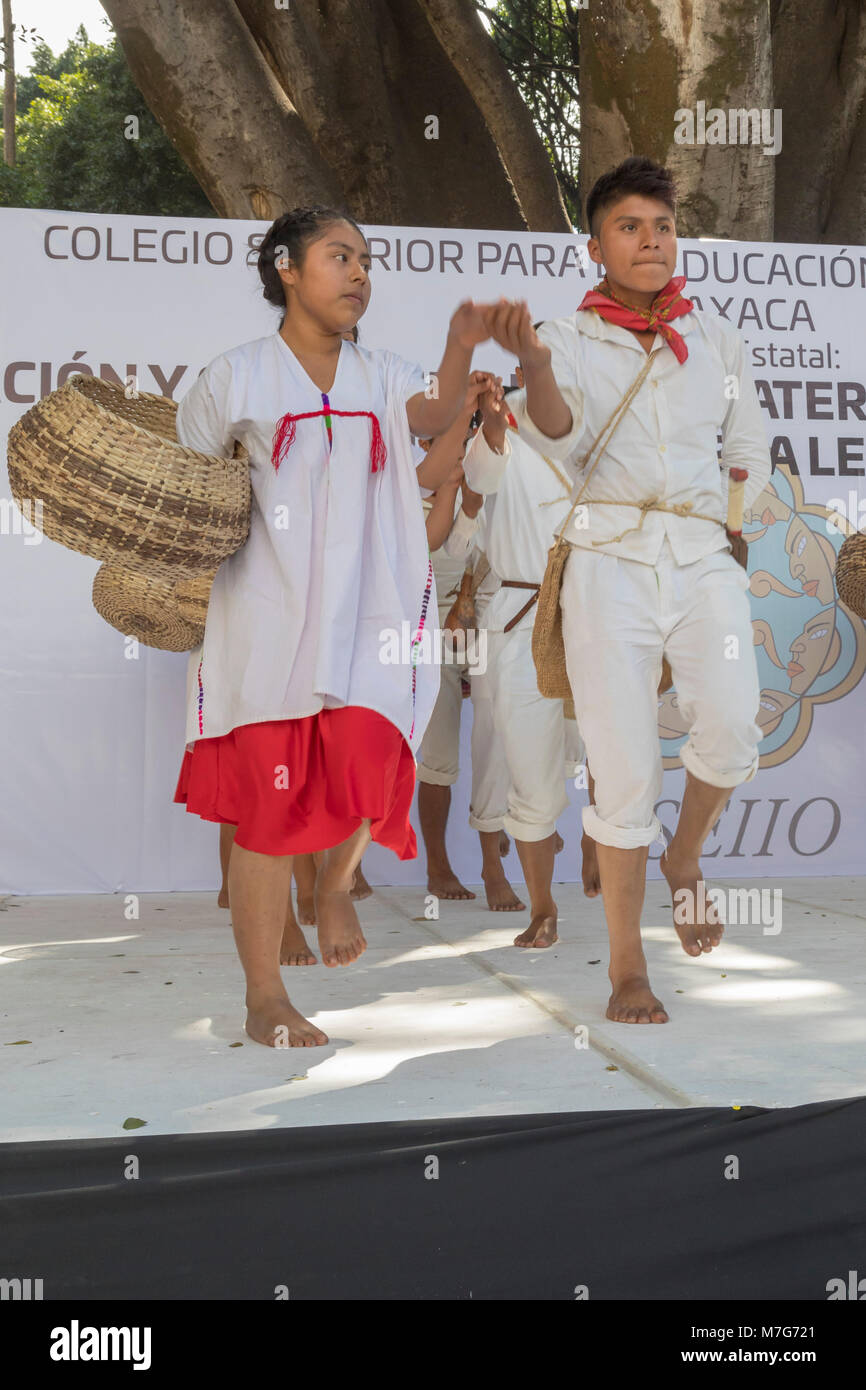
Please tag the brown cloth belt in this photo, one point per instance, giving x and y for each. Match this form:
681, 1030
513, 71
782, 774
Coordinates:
520, 584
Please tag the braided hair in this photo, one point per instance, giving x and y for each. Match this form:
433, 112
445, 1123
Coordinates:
290, 235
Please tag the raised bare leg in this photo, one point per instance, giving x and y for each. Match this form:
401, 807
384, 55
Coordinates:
340, 937
294, 949
305, 869
434, 803
623, 882
501, 897
536, 859
227, 839
259, 888
695, 917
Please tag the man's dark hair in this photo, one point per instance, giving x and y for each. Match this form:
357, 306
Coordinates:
634, 175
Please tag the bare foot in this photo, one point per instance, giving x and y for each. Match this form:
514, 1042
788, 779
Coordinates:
223, 899
501, 897
504, 844
632, 1001
540, 932
340, 937
360, 887
589, 867
695, 917
558, 842
293, 947
275, 1022
447, 885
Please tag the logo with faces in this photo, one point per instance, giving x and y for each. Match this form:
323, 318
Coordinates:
811, 648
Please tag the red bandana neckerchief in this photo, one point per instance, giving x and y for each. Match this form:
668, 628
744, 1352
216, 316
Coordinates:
669, 303
284, 433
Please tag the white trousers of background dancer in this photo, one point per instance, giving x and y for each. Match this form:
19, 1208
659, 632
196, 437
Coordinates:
541, 745
439, 754
618, 616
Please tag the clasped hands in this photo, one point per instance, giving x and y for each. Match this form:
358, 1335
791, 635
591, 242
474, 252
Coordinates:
508, 323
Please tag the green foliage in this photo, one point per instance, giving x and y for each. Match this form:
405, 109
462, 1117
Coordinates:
538, 40
72, 153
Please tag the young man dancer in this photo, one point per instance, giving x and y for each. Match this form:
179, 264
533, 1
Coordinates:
532, 496
650, 571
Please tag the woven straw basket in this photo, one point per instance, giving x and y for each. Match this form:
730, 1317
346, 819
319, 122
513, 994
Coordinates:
115, 483
851, 573
170, 616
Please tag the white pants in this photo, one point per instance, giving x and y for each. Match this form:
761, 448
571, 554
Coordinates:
541, 745
439, 754
618, 618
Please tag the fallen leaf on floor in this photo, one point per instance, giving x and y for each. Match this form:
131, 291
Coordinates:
133, 1123
679, 991
235, 1044
724, 975
19, 1043
593, 962
611, 1068
459, 1004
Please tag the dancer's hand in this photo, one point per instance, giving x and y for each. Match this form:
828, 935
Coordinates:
493, 419
739, 549
510, 326
482, 384
469, 324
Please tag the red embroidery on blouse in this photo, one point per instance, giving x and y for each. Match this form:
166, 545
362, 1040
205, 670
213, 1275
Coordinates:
284, 435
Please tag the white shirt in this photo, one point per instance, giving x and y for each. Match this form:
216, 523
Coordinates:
666, 446
336, 554
532, 501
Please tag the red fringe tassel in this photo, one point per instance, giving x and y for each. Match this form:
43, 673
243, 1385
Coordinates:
284, 436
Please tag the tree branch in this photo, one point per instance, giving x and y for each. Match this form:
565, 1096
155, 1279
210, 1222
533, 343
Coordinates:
231, 122
474, 54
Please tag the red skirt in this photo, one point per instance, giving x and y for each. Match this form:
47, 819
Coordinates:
292, 786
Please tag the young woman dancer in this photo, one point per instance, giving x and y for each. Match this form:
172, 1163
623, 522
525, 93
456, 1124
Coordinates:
302, 735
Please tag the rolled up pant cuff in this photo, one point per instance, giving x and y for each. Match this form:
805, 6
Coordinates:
521, 830
619, 836
698, 768
434, 778
486, 826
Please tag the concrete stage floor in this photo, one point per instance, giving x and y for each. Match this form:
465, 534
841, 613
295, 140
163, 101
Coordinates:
103, 1019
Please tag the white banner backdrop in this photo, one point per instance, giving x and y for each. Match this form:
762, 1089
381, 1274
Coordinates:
91, 741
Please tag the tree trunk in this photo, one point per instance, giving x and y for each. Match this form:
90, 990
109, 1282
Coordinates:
642, 62
8, 85
819, 68
324, 102
475, 56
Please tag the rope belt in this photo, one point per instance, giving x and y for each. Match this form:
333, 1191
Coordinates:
520, 584
649, 504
